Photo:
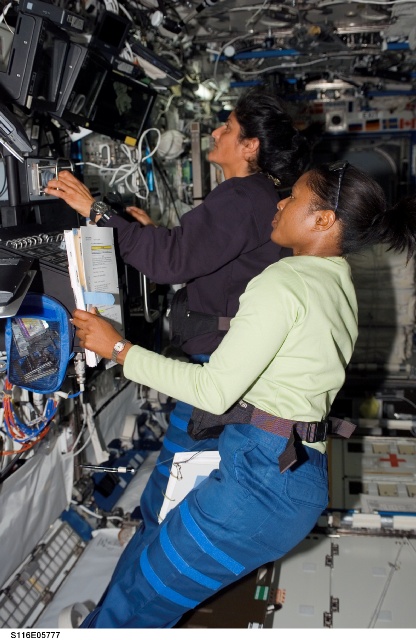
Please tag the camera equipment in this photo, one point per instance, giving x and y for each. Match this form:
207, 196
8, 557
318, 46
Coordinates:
38, 173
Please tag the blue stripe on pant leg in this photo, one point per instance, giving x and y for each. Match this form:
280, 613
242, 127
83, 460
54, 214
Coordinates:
182, 566
201, 539
161, 588
178, 422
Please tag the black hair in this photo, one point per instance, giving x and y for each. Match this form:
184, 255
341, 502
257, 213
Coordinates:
283, 151
360, 205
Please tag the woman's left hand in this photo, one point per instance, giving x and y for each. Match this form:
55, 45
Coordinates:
95, 333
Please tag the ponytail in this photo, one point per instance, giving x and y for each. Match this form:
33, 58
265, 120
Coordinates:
361, 208
397, 226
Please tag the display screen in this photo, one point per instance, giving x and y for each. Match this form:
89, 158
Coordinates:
109, 102
111, 31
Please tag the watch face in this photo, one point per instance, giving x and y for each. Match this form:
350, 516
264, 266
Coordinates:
100, 207
119, 346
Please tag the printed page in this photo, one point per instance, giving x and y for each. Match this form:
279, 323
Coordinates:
77, 278
73, 268
100, 269
98, 256
93, 273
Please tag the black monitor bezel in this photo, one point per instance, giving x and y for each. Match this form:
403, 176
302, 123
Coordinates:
104, 66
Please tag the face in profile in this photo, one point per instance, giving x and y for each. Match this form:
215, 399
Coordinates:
294, 218
227, 149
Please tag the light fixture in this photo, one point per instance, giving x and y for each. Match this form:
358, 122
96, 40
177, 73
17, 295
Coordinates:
204, 92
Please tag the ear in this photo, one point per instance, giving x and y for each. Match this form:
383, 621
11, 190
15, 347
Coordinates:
251, 146
324, 219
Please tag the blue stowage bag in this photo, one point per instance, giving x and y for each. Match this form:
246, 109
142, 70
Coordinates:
39, 341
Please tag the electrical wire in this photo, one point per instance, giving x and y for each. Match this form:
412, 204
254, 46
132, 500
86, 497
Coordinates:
130, 174
126, 13
293, 65
256, 13
224, 46
169, 190
3, 188
3, 16
4, 472
83, 427
397, 399
26, 434
96, 515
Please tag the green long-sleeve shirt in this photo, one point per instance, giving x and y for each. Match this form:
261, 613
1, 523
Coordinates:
286, 350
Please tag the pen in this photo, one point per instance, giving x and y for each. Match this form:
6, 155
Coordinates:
95, 467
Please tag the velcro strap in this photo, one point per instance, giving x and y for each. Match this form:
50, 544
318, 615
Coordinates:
342, 428
289, 457
223, 323
309, 432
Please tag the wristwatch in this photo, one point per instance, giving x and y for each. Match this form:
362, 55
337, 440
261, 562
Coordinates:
118, 348
101, 209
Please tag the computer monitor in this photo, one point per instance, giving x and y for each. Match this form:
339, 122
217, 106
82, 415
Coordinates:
110, 32
109, 102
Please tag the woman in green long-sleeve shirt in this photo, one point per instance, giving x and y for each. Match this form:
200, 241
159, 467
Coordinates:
285, 356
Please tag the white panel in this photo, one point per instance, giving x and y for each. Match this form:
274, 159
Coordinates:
375, 581
373, 578
305, 582
31, 499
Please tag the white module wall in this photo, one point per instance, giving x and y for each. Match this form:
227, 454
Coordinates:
385, 286
348, 582
373, 474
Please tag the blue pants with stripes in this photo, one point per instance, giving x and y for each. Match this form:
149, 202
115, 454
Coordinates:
242, 516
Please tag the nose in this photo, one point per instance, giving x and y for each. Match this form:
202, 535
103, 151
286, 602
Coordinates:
281, 204
217, 132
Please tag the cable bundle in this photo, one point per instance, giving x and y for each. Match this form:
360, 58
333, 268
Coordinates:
26, 434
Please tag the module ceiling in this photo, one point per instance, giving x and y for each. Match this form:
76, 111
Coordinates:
300, 41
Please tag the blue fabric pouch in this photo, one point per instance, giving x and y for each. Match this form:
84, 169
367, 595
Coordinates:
39, 341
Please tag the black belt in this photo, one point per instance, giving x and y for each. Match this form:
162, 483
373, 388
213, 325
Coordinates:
310, 432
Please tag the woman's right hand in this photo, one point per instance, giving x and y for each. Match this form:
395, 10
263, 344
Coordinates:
67, 187
140, 215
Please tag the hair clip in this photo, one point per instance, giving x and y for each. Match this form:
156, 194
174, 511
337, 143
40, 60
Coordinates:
276, 181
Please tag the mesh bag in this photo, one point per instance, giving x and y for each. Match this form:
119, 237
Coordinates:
39, 343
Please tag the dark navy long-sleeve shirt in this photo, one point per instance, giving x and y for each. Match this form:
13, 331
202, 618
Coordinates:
219, 246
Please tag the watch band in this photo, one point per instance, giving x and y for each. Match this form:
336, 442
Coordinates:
105, 217
118, 348
97, 209
101, 209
